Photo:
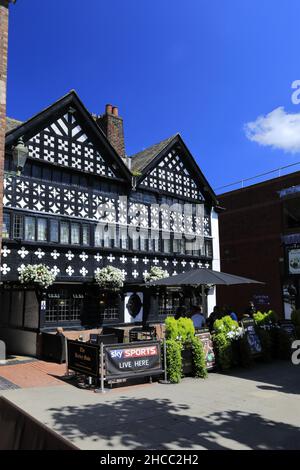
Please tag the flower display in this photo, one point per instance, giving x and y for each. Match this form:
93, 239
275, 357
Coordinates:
37, 274
110, 278
155, 274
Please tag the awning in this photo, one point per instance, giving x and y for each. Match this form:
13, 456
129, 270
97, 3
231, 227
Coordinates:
202, 276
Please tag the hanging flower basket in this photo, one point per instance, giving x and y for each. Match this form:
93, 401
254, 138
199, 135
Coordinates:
37, 275
110, 278
155, 274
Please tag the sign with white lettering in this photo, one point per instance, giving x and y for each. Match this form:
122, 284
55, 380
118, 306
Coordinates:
83, 358
205, 338
133, 359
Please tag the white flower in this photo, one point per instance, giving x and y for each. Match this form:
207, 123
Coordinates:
155, 274
110, 278
36, 274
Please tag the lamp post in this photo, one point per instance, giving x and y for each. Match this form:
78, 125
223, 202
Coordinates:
20, 154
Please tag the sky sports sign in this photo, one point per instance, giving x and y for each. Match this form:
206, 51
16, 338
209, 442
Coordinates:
133, 359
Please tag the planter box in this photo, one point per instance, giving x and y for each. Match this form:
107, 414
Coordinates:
187, 361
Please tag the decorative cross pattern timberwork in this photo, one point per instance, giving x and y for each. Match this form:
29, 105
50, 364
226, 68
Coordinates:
65, 143
172, 176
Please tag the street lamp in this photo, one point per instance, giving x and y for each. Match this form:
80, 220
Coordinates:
20, 154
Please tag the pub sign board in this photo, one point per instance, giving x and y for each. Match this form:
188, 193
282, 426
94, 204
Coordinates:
133, 359
83, 358
205, 338
251, 336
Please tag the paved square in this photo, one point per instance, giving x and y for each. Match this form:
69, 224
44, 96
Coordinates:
257, 408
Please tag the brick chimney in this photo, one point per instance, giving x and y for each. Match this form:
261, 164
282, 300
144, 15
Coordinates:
3, 79
112, 125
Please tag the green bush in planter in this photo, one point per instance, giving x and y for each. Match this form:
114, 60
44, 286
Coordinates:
199, 359
224, 353
186, 329
171, 328
174, 360
180, 334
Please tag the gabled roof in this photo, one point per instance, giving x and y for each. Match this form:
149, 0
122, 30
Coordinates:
36, 123
140, 160
144, 162
12, 124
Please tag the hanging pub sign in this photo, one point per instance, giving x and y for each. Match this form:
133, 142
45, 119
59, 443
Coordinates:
205, 338
83, 358
133, 359
251, 335
294, 261
289, 328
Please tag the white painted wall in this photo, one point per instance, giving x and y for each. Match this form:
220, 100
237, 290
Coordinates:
216, 265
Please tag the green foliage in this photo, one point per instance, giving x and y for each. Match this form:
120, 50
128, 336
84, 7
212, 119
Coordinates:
225, 325
171, 328
266, 318
199, 360
224, 353
186, 329
174, 360
181, 333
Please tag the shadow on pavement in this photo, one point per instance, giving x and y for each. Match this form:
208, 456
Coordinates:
273, 376
160, 424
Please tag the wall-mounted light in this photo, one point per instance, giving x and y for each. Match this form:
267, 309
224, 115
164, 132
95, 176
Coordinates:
20, 154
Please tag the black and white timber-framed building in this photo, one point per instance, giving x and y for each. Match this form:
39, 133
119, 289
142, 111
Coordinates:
80, 204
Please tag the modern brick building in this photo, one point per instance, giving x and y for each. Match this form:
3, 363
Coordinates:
259, 238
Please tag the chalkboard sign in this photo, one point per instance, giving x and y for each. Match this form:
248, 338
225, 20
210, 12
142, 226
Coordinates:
83, 358
133, 359
288, 327
205, 338
253, 340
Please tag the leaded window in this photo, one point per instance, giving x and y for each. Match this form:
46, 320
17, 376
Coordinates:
29, 228
64, 232
54, 235
6, 226
42, 230
75, 234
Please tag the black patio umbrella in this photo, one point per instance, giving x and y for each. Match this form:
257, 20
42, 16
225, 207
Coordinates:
202, 276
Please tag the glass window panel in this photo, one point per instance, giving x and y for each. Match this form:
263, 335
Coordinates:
85, 235
6, 226
30, 228
18, 226
54, 231
64, 232
99, 235
123, 238
75, 238
42, 230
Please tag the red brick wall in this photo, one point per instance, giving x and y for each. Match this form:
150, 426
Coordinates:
112, 126
250, 241
3, 80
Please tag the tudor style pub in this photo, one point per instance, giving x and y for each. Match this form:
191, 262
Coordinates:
78, 203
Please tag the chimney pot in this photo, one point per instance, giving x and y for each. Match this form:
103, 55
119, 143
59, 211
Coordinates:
108, 109
115, 111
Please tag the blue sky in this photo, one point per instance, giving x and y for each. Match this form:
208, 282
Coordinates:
204, 68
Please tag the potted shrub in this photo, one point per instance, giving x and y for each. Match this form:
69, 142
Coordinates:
185, 354
231, 347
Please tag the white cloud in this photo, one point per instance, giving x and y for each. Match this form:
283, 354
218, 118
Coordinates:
278, 129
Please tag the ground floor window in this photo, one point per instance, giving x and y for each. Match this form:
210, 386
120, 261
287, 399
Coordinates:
63, 306
109, 306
